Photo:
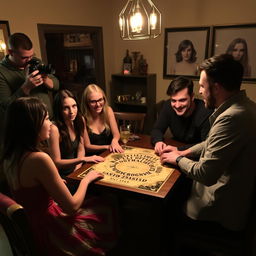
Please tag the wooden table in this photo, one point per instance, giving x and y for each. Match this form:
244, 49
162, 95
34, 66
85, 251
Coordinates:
143, 214
143, 142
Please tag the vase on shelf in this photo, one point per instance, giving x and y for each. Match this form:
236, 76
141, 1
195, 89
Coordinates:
135, 68
127, 64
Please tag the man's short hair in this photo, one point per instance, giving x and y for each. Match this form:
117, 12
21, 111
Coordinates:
19, 41
223, 69
178, 84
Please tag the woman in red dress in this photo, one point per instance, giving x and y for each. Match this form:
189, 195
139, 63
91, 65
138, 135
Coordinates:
63, 224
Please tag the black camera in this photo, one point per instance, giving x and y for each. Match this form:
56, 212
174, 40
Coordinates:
35, 64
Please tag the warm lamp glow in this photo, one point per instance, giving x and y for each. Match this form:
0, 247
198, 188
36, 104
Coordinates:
136, 22
139, 19
2, 46
153, 20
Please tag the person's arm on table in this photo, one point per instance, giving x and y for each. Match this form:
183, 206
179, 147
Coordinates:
170, 156
66, 163
223, 145
47, 175
114, 146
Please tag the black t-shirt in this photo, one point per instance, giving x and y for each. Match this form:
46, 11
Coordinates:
189, 130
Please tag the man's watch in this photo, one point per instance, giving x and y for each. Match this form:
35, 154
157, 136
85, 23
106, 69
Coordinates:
178, 159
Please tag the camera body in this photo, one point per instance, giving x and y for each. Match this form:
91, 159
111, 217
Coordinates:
35, 64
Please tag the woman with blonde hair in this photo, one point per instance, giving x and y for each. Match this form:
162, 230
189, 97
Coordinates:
101, 131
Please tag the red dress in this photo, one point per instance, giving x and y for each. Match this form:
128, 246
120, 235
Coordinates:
90, 231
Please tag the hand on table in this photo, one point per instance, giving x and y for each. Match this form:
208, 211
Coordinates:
159, 147
93, 175
94, 159
169, 157
115, 147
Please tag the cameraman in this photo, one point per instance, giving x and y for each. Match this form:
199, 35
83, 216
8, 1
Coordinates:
16, 80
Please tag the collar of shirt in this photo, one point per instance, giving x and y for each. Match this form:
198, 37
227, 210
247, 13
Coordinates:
241, 95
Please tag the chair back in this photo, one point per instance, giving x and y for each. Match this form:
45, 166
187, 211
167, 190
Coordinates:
136, 120
15, 224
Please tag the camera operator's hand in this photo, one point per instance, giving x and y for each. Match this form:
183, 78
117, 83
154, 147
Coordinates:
33, 80
47, 81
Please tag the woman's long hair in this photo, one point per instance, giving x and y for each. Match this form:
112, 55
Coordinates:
24, 120
60, 122
182, 46
245, 59
85, 108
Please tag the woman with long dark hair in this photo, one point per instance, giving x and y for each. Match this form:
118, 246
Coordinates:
185, 59
63, 224
66, 140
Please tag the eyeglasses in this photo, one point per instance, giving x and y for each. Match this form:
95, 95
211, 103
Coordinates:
94, 102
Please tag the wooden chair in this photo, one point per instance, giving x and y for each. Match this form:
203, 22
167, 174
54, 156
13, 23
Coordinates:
14, 222
135, 119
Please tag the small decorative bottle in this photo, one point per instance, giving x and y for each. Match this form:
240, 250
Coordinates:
127, 64
143, 66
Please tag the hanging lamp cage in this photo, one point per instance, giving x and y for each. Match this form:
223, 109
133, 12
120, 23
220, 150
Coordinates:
139, 19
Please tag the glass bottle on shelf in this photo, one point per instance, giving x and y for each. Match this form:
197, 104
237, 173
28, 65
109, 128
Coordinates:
143, 66
135, 69
127, 64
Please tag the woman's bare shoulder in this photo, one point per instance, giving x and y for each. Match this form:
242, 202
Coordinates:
54, 128
54, 131
38, 156
110, 110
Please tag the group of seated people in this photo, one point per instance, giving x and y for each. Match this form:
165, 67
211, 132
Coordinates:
63, 221
92, 128
38, 180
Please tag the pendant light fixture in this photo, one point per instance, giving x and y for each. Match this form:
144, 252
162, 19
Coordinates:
139, 19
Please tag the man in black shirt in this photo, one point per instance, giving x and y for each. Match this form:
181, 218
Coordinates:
186, 117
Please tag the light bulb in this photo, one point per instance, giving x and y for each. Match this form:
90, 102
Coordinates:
136, 22
2, 45
121, 23
153, 20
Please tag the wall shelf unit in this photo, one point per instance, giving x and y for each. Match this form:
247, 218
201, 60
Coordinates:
135, 93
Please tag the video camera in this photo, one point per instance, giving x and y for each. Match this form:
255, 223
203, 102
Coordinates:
36, 64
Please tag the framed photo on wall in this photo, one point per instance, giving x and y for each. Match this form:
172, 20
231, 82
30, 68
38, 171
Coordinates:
184, 49
4, 34
239, 41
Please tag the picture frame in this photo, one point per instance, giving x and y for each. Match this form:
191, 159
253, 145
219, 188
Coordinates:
195, 40
4, 34
77, 40
239, 41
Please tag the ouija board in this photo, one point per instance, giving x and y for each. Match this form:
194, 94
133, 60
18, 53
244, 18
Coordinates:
136, 167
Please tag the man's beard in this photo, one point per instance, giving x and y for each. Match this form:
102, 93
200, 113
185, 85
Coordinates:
210, 102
